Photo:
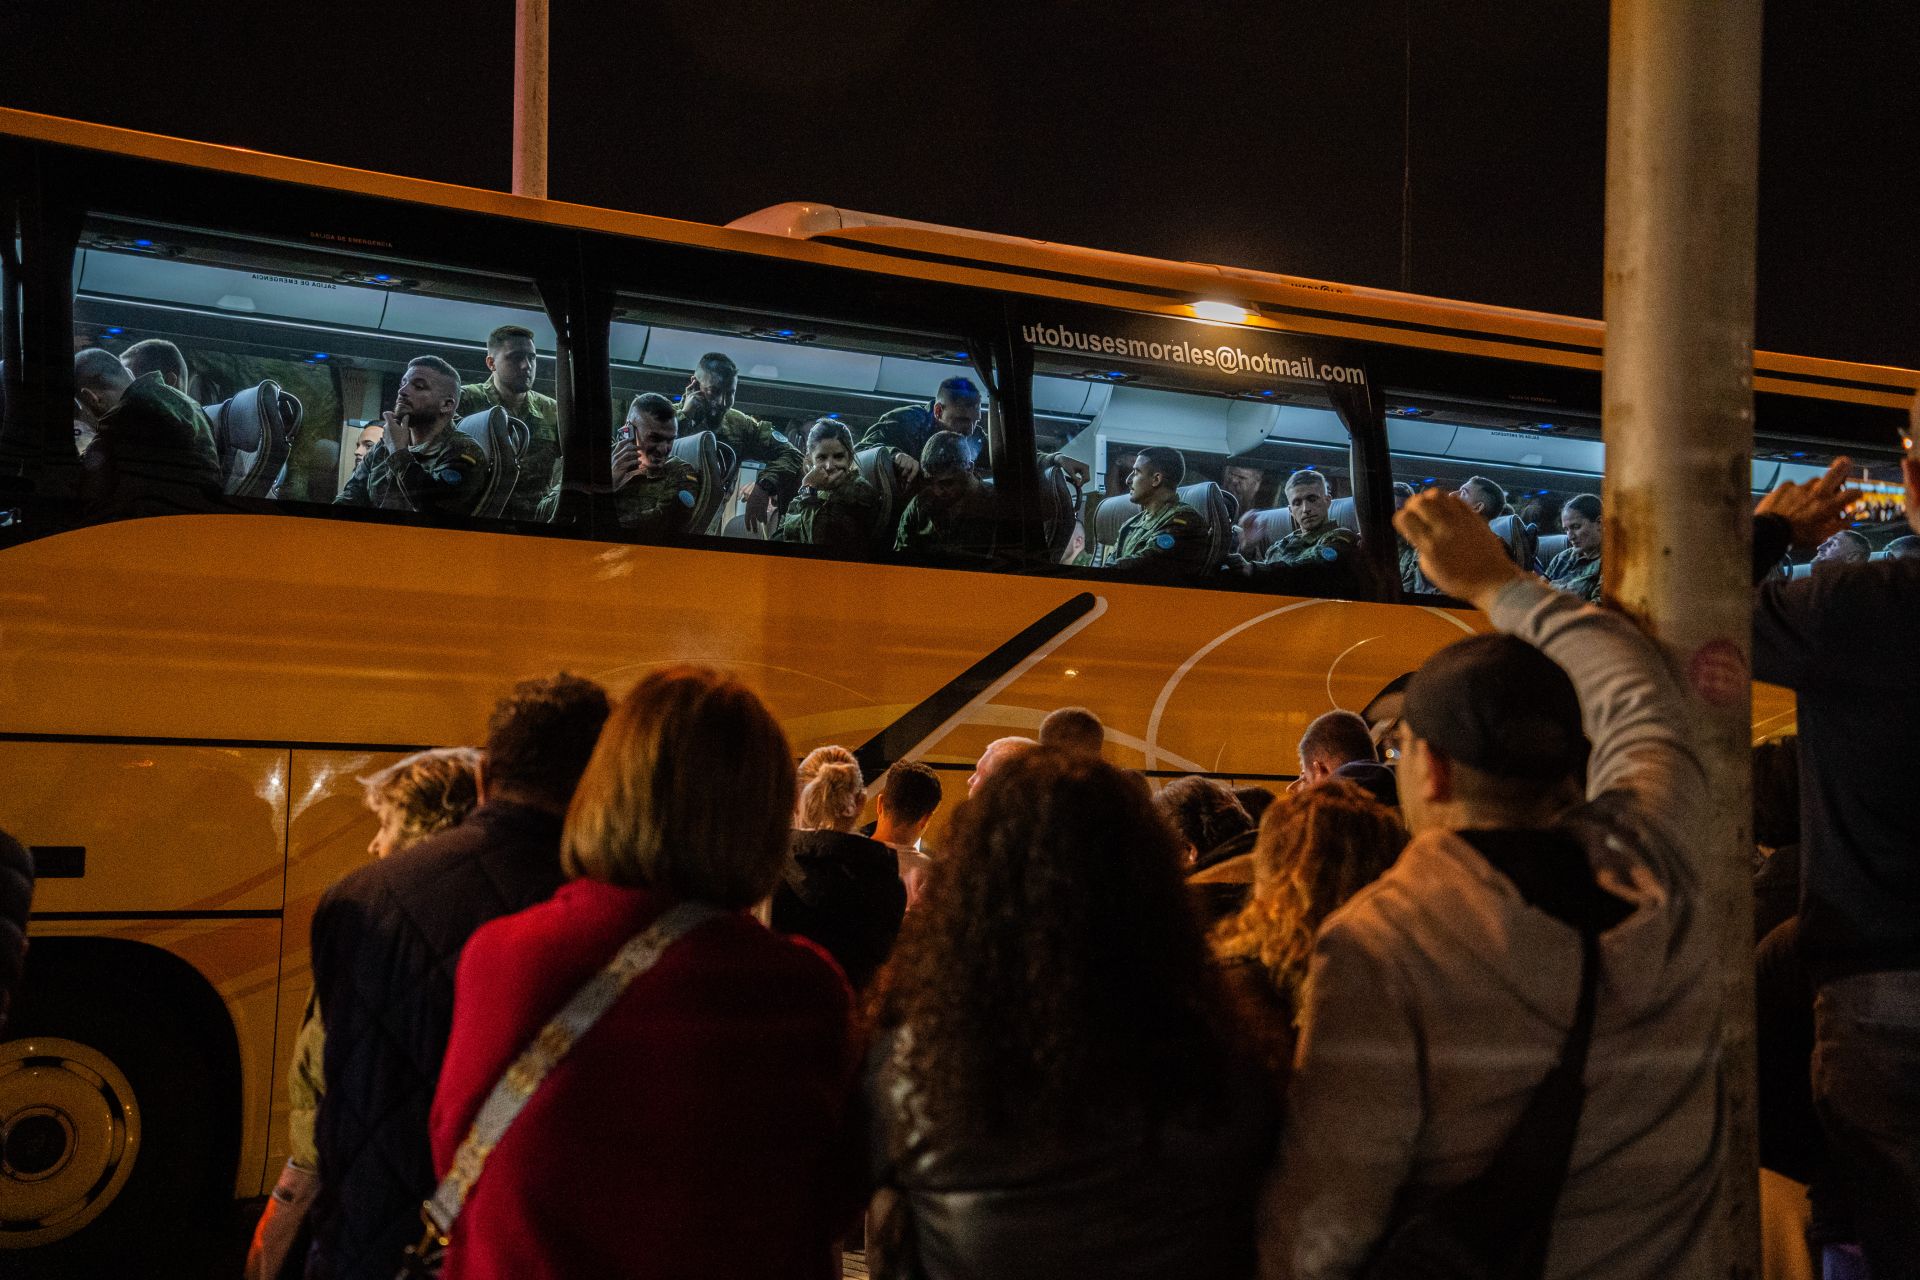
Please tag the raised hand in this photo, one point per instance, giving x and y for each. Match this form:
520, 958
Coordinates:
1459, 553
1814, 510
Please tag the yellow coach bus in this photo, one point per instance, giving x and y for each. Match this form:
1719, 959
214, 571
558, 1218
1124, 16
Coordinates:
187, 701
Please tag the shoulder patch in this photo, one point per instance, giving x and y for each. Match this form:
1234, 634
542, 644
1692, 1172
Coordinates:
686, 498
1164, 541
1329, 553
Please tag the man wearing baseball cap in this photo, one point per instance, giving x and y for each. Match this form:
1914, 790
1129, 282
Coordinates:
1548, 785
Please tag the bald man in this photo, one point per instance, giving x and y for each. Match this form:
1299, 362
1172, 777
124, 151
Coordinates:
998, 752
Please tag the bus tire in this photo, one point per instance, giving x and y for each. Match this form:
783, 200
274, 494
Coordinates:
110, 1115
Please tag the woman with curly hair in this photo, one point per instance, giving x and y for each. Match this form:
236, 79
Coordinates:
1317, 847
840, 890
1054, 1084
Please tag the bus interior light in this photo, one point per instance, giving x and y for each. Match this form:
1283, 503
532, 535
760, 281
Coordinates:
1224, 312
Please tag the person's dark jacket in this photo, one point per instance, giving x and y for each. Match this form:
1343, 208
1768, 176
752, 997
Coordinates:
386, 943
154, 456
844, 893
1845, 643
1380, 781
1134, 1198
1776, 890
1221, 879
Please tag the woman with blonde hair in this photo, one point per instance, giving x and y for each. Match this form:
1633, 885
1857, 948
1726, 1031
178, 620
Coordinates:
1317, 847
841, 890
679, 1073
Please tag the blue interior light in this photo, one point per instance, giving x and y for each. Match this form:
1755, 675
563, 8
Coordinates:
143, 244
833, 415
115, 332
960, 355
1800, 455
1266, 393
785, 333
320, 355
383, 277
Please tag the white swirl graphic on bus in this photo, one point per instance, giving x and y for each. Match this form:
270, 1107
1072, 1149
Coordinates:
1226, 357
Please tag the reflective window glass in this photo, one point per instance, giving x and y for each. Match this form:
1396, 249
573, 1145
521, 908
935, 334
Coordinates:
859, 444
211, 370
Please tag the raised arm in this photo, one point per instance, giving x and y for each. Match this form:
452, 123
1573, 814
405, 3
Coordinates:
1632, 707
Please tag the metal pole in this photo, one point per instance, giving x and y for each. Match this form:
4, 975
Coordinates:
1683, 118
530, 98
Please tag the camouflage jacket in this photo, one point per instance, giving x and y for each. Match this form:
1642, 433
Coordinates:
446, 476
153, 455
965, 528
1576, 575
1324, 562
659, 503
537, 493
843, 518
1173, 541
755, 441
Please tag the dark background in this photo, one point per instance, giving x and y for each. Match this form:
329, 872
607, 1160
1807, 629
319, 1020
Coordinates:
1265, 134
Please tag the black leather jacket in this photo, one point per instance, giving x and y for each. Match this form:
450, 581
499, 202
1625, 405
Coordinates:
1137, 1200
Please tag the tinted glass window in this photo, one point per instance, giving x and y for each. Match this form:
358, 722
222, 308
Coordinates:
1197, 475
212, 370
854, 443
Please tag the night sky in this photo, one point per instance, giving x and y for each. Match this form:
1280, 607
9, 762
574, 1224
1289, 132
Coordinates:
1272, 135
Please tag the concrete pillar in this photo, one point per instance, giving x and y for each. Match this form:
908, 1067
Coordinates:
1683, 117
530, 98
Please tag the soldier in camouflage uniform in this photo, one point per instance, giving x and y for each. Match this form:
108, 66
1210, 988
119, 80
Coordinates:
953, 512
1168, 540
654, 493
424, 462
836, 507
1319, 557
1576, 570
152, 451
707, 405
512, 362
955, 407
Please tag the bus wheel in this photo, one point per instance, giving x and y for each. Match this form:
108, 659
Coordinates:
69, 1138
106, 1122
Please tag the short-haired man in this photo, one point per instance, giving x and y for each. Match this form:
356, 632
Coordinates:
654, 493
1318, 555
955, 407
512, 363
157, 355
1074, 730
1441, 995
152, 451
1485, 497
903, 806
707, 405
1338, 746
1904, 547
1243, 481
1845, 547
423, 462
1167, 540
952, 514
386, 942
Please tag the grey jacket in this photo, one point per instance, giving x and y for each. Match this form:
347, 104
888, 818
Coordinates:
1438, 999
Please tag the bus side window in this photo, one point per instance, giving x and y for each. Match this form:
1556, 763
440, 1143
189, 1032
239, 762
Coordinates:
770, 429
1534, 477
215, 372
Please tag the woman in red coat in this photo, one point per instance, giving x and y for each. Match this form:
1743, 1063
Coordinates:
699, 1127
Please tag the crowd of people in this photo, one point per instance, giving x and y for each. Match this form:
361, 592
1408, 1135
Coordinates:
622, 992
